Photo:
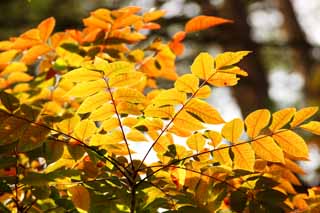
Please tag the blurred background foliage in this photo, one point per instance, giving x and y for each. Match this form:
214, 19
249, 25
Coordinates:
284, 36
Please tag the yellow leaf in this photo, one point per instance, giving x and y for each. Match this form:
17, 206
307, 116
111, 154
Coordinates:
203, 111
114, 68
293, 166
187, 83
93, 102
84, 129
215, 138
203, 92
203, 66
291, 143
222, 155
131, 79
128, 95
14, 67
110, 124
169, 97
229, 58
80, 197
256, 121
302, 115
196, 142
102, 113
162, 144
234, 70
185, 121
159, 112
19, 77
106, 139
267, 149
82, 74
243, 157
87, 88
312, 126
223, 79
129, 108
136, 135
281, 118
233, 130
67, 126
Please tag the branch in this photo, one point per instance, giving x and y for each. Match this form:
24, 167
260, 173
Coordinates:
114, 162
120, 124
171, 121
202, 153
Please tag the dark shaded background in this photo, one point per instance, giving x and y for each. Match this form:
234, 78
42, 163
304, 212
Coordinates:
284, 36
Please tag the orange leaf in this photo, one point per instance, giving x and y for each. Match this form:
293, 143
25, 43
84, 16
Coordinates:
153, 15
31, 56
204, 22
80, 197
46, 27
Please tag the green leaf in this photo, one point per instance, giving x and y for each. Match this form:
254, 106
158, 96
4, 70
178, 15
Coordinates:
9, 101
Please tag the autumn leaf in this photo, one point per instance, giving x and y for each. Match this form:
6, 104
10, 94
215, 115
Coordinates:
187, 83
243, 157
302, 115
256, 121
291, 143
80, 197
196, 142
232, 130
267, 149
312, 126
229, 58
204, 22
281, 118
85, 89
84, 129
203, 111
203, 66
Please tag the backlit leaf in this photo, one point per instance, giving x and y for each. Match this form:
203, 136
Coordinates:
229, 58
223, 79
203, 92
93, 102
46, 27
34, 52
233, 130
128, 95
103, 112
32, 138
136, 135
196, 142
186, 121
256, 121
187, 83
203, 66
204, 111
87, 88
243, 157
267, 149
159, 112
204, 22
302, 115
222, 155
312, 126
291, 143
281, 118
126, 79
110, 124
153, 15
82, 74
169, 97
84, 129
